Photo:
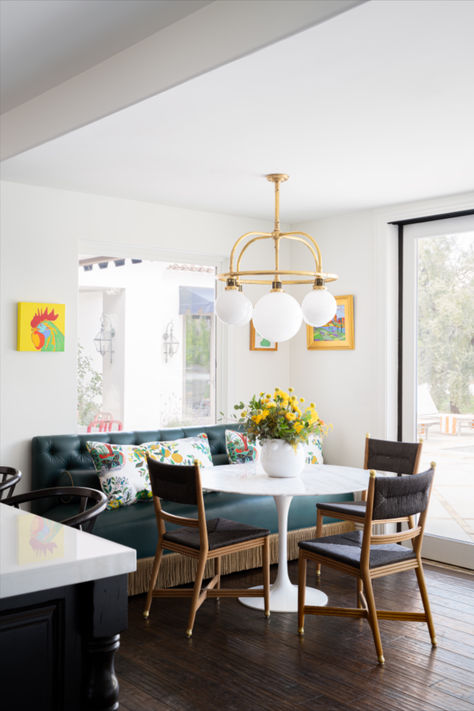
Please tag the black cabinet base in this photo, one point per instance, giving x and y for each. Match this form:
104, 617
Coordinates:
57, 647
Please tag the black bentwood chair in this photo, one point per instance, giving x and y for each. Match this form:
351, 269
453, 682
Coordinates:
368, 556
199, 539
91, 503
381, 455
9, 478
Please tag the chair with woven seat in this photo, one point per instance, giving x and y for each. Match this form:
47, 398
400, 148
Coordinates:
367, 556
9, 478
199, 539
381, 455
91, 503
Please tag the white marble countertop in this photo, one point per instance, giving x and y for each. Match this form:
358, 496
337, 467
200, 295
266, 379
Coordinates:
38, 554
315, 479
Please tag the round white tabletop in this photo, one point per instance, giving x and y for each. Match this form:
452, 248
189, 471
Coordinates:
315, 479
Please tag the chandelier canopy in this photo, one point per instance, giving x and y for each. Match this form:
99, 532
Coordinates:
277, 315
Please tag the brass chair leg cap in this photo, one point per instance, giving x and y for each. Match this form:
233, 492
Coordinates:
189, 633
434, 642
146, 615
381, 659
267, 614
301, 631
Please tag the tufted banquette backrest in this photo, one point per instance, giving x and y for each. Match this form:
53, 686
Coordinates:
55, 454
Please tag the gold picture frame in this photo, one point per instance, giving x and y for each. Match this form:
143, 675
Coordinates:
258, 342
338, 334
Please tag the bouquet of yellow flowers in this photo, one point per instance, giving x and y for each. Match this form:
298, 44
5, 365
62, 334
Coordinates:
280, 416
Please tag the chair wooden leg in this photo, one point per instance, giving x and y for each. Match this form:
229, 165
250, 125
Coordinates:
358, 593
372, 617
266, 574
319, 533
426, 604
154, 575
302, 564
196, 594
217, 571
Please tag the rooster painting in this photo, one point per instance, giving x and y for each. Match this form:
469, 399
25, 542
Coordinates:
45, 335
41, 327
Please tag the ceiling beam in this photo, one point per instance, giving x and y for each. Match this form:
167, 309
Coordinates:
219, 33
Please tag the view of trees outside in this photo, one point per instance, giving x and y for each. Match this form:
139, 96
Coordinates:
197, 390
445, 320
89, 388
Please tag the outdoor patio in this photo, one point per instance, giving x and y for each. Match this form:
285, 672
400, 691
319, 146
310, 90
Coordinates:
452, 503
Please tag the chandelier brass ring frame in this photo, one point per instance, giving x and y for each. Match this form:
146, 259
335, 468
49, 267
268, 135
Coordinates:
234, 278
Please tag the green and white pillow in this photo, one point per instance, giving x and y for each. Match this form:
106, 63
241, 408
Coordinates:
314, 450
123, 472
181, 451
238, 448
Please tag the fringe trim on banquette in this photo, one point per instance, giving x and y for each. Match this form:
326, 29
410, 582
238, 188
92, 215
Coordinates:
178, 569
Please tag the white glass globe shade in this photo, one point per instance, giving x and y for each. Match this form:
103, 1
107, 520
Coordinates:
319, 307
234, 308
277, 316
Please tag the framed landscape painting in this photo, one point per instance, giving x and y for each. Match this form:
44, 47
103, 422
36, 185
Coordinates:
260, 343
338, 334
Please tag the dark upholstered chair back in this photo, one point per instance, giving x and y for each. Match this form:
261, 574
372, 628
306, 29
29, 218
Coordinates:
173, 482
395, 497
386, 456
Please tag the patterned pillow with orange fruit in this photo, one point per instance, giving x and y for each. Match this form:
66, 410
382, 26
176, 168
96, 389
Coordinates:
181, 451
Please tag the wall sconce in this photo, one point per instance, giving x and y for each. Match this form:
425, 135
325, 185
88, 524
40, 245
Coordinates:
103, 339
170, 344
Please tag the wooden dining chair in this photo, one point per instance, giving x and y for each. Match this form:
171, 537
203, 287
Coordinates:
381, 455
366, 555
199, 539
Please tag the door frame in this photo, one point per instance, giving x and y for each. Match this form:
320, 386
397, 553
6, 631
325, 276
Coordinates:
439, 548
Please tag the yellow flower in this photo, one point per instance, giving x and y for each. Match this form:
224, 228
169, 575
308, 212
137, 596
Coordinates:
312, 405
301, 399
269, 396
290, 416
291, 390
298, 426
243, 413
265, 414
262, 394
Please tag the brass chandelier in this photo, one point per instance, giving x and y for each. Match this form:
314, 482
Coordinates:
277, 315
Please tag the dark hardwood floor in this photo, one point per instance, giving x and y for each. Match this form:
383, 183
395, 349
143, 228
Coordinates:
238, 661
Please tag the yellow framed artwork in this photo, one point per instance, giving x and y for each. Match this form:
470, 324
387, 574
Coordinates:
338, 334
41, 327
260, 343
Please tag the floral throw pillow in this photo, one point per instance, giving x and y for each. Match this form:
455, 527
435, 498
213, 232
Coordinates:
314, 450
239, 449
181, 451
123, 472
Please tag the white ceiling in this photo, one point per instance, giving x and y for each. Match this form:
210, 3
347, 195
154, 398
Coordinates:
373, 107
46, 42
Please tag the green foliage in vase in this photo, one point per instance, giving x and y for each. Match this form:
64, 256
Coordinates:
280, 416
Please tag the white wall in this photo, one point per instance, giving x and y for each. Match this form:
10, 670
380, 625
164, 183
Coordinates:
341, 382
43, 231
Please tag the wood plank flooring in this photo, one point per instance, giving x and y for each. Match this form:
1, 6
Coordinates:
238, 661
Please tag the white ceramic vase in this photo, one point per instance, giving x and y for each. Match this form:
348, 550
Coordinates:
280, 459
